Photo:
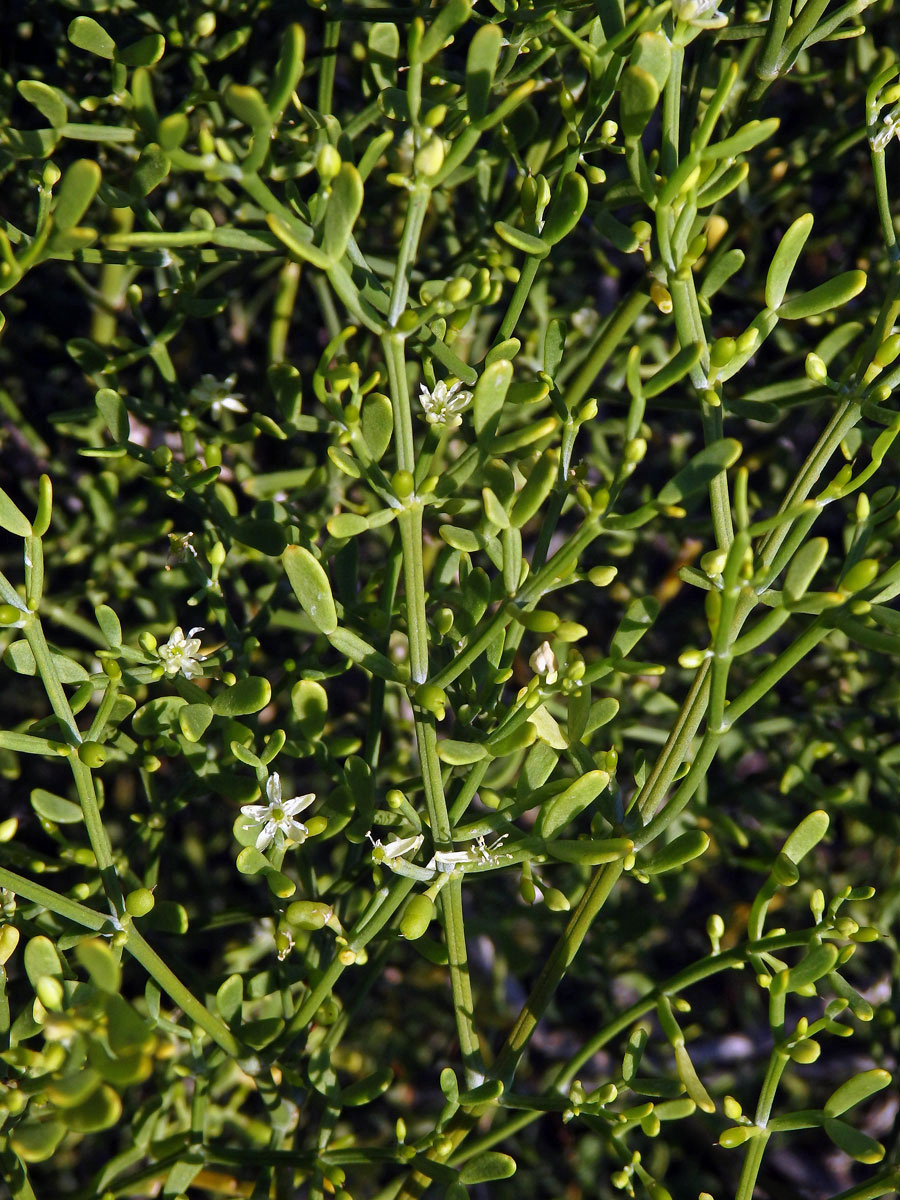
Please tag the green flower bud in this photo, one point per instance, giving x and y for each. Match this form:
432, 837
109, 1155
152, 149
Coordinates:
735, 1136
457, 290
309, 914
806, 1051
147, 643
92, 754
722, 352
328, 164
602, 576
403, 484
139, 902
816, 369
9, 614
417, 916
555, 900
887, 351
430, 158
443, 620
860, 575
432, 699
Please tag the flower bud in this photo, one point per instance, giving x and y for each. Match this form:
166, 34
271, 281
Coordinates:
139, 902
417, 916
661, 297
328, 163
887, 351
403, 484
816, 371
92, 754
430, 158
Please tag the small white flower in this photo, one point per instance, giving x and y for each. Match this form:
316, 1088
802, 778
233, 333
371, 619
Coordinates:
277, 817
702, 13
218, 396
446, 861
444, 405
543, 662
398, 848
180, 653
890, 128
585, 320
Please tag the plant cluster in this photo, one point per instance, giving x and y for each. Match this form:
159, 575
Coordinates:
449, 652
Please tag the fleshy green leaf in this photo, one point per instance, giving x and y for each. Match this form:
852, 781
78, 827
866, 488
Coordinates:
244, 697
359, 651
561, 809
309, 701
144, 52
344, 206
100, 963
377, 421
672, 371
653, 53
49, 101
150, 170
311, 587
451, 17
700, 471
20, 658
785, 259
803, 567
490, 393
854, 1142
820, 961
114, 413
808, 834
568, 203
679, 851
823, 298
55, 808
75, 192
486, 1167
194, 719
288, 70
856, 1090
88, 34
12, 518
638, 96
481, 63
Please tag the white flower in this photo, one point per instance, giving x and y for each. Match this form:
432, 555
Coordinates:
398, 848
218, 396
585, 320
702, 13
277, 817
543, 662
443, 405
479, 854
180, 653
890, 128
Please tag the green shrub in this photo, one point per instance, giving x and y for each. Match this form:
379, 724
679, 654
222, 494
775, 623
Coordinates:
449, 653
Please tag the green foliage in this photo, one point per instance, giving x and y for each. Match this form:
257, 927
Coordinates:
440, 359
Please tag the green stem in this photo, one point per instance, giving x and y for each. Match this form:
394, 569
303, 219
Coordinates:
554, 969
756, 1147
609, 338
328, 65
669, 157
409, 244
70, 910
410, 524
